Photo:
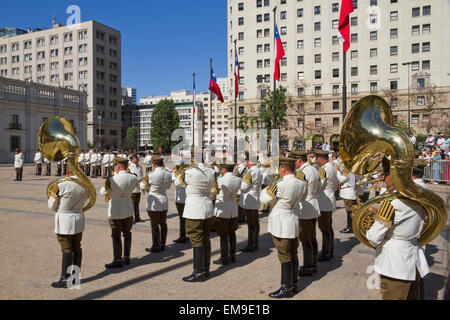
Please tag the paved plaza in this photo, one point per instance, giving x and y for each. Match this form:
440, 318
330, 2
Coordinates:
31, 258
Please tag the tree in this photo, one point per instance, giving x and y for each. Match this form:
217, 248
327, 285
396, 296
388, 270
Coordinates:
267, 107
438, 118
165, 120
130, 142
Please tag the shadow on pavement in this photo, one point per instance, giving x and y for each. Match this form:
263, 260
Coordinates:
433, 283
341, 249
429, 250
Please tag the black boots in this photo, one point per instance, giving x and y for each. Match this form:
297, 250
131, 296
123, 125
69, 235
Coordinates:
349, 223
314, 255
182, 238
156, 237
127, 249
308, 262
224, 252
295, 266
287, 287
251, 238
327, 244
67, 261
117, 250
233, 247
163, 237
256, 236
207, 259
199, 261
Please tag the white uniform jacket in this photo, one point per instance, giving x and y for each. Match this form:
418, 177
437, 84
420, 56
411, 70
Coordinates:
327, 198
69, 218
266, 170
310, 206
93, 159
159, 181
105, 160
148, 161
87, 158
120, 205
250, 191
111, 160
398, 253
347, 191
180, 190
226, 206
18, 160
421, 183
137, 170
81, 159
199, 182
284, 217
99, 160
38, 158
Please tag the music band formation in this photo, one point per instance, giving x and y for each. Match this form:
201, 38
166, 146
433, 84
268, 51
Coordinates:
299, 195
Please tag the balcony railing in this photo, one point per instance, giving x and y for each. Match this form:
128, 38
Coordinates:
15, 126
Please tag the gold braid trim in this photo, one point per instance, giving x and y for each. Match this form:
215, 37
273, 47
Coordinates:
267, 165
54, 191
322, 173
248, 178
300, 176
385, 214
145, 181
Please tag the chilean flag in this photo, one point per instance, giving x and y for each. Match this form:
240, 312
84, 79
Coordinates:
279, 53
344, 26
236, 76
214, 87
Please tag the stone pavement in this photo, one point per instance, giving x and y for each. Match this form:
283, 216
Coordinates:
31, 258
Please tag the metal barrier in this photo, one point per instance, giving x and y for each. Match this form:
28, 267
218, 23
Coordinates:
438, 171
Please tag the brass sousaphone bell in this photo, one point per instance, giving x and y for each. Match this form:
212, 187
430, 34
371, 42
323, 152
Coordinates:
367, 136
57, 141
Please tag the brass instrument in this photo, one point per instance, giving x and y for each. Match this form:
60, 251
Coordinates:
107, 188
367, 136
57, 141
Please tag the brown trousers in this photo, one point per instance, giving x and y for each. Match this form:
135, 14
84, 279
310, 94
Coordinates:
395, 289
225, 227
307, 230
287, 248
180, 209
121, 226
70, 243
136, 198
199, 231
158, 218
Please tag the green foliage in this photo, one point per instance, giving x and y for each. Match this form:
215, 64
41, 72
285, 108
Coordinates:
130, 142
165, 120
90, 145
266, 110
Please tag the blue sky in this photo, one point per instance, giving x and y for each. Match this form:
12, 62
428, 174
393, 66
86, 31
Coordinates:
163, 42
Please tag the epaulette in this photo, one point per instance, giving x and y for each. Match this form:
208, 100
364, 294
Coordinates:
248, 178
386, 214
300, 176
322, 173
54, 190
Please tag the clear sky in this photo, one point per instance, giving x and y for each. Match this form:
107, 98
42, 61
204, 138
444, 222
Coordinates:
163, 42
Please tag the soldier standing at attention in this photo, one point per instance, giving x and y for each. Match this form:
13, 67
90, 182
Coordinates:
239, 171
250, 189
265, 163
136, 169
400, 260
18, 165
48, 167
199, 212
93, 162
348, 194
148, 162
180, 199
105, 163
68, 202
81, 161
284, 224
156, 184
38, 158
98, 166
226, 213
309, 213
327, 204
117, 191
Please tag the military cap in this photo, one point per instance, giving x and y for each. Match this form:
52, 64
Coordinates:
322, 153
121, 161
287, 160
157, 159
227, 164
297, 154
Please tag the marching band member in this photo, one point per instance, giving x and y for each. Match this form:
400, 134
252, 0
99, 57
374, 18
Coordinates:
399, 260
87, 163
48, 167
136, 169
265, 163
239, 171
327, 204
38, 158
284, 224
98, 165
18, 164
118, 189
198, 212
148, 162
180, 199
93, 162
82, 161
68, 201
348, 194
309, 213
156, 183
105, 164
110, 164
249, 201
226, 213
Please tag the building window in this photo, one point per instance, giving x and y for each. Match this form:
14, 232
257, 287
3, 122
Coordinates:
335, 7
415, 47
300, 28
415, 30
267, 47
241, 110
353, 21
283, 15
300, 12
335, 89
15, 143
316, 26
299, 59
317, 74
394, 15
301, 76
373, 69
335, 73
259, 48
354, 37
394, 33
426, 28
373, 87
394, 67
300, 44
426, 65
415, 66
420, 100
335, 56
354, 54
354, 88
317, 42
317, 10
241, 36
283, 31
354, 71
335, 105
334, 40
373, 52
373, 35
394, 51
421, 83
318, 58
318, 122
425, 47
355, 4
426, 11
336, 122
284, 77
301, 91
414, 119
318, 107
317, 90
394, 85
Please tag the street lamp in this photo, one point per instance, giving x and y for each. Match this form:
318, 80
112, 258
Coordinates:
99, 116
409, 96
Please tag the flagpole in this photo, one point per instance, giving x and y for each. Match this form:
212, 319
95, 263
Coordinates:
235, 108
344, 85
193, 113
210, 107
274, 110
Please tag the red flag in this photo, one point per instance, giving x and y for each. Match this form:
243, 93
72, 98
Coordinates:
279, 53
214, 87
236, 76
344, 26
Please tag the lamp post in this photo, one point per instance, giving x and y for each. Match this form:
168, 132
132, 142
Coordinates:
409, 96
99, 116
